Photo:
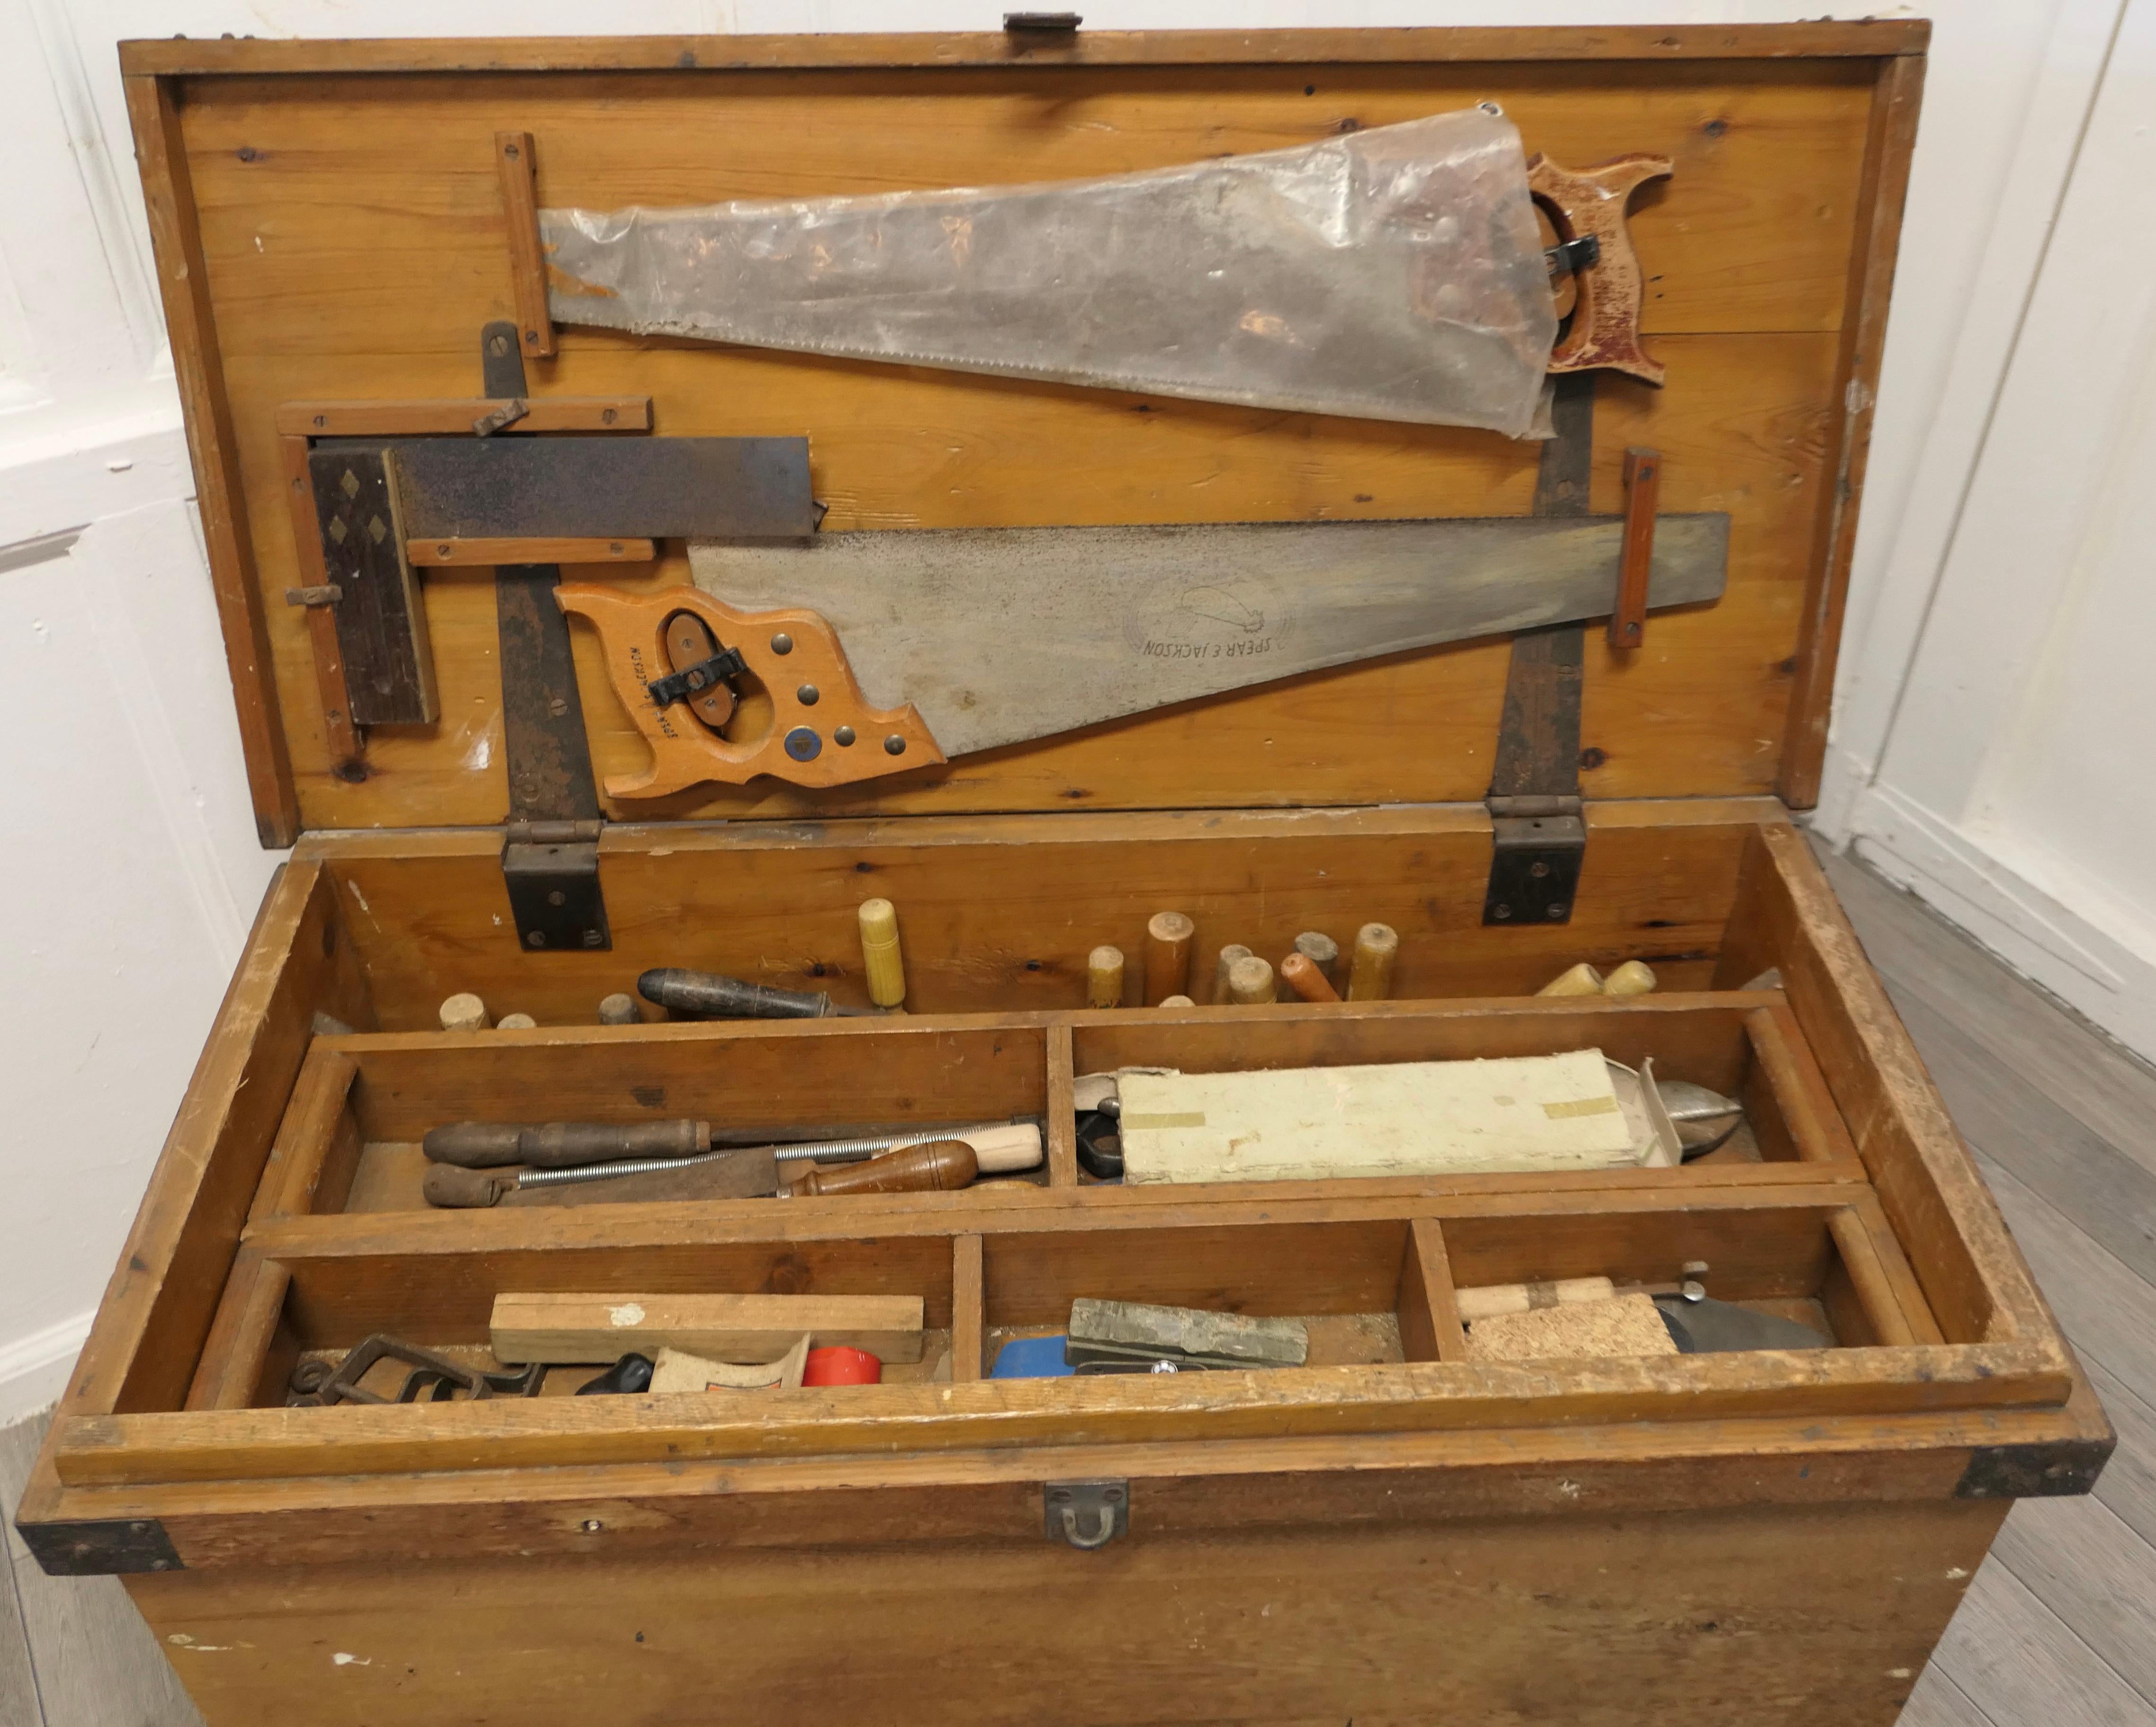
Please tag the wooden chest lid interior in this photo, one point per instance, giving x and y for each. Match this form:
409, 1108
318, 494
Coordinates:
330, 227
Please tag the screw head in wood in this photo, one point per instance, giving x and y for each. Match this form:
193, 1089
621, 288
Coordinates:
782, 644
844, 737
808, 696
894, 744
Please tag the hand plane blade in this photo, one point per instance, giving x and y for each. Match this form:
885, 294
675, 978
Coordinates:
994, 636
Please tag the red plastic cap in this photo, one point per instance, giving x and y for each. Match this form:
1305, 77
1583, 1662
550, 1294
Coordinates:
840, 1365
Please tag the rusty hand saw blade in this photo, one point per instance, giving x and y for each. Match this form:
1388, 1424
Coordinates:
898, 649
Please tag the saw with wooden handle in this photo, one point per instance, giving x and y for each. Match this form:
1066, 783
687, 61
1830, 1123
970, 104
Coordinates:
882, 652
1395, 272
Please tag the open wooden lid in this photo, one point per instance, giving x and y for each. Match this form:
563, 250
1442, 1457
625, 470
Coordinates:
330, 227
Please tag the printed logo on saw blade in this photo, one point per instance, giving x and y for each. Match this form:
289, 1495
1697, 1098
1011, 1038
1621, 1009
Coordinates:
1212, 621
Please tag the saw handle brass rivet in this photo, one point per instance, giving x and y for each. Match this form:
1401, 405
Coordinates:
894, 744
808, 696
844, 737
782, 644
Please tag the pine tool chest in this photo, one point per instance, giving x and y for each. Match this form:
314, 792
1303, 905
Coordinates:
1044, 960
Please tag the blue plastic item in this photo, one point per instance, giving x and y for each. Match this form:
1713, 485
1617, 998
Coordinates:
1031, 1358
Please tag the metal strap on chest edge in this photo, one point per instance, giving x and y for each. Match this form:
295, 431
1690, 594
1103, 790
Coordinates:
550, 852
1538, 835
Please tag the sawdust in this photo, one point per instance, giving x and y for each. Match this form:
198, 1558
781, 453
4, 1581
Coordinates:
1627, 1326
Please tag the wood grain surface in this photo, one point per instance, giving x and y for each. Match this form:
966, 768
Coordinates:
1748, 249
1504, 1622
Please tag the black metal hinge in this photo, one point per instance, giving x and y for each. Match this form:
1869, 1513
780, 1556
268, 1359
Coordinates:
107, 1548
1537, 844
2051, 1469
552, 873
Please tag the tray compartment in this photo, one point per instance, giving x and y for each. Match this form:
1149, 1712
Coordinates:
998, 915
741, 1076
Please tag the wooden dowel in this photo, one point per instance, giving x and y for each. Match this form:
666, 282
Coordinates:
516, 1023
881, 960
1178, 1001
1250, 981
1370, 978
1304, 976
1168, 936
1581, 979
1228, 955
464, 1013
1323, 952
1104, 977
618, 1009
1633, 978
1488, 1300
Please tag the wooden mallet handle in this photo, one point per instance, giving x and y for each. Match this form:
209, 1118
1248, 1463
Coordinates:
1305, 978
1168, 937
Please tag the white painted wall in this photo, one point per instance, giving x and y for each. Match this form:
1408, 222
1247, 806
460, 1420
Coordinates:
1990, 749
128, 865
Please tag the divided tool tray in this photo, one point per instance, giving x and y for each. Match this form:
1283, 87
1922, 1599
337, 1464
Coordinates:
346, 236
1848, 1203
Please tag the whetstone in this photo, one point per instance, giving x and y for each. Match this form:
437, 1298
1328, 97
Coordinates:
723, 1328
1132, 1330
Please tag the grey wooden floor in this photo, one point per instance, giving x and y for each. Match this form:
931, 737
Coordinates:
2058, 1629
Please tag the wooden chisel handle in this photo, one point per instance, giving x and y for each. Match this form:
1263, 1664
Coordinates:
718, 997
937, 1166
1304, 977
563, 1145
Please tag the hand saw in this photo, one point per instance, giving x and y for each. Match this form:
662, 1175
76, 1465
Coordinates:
886, 651
1393, 272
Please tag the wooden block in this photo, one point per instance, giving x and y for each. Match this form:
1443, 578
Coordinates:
528, 259
1628, 1326
731, 1328
450, 416
490, 553
1517, 1113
